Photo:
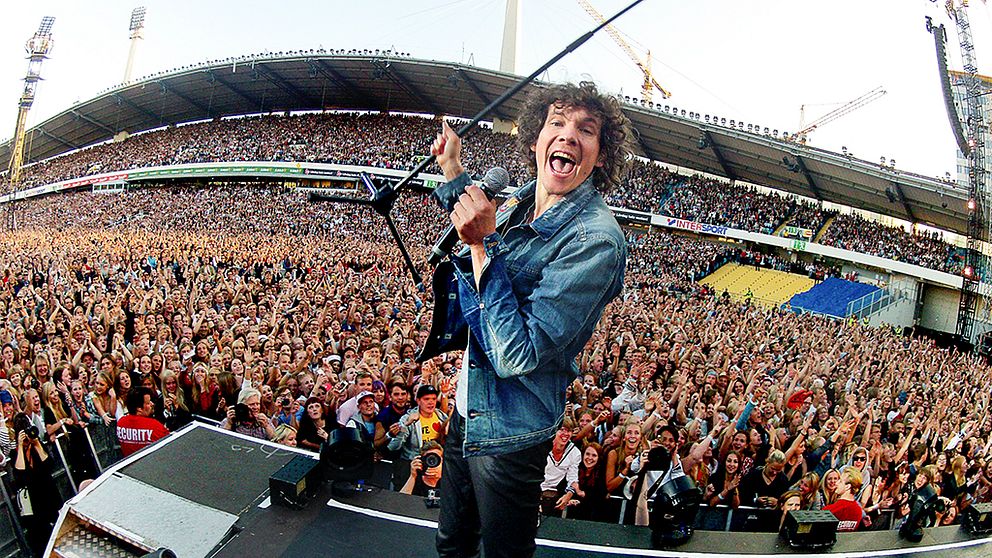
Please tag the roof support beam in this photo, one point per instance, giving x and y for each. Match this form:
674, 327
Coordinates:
485, 98
356, 93
214, 77
280, 82
93, 122
719, 156
192, 102
809, 178
902, 199
399, 79
319, 67
43, 132
155, 117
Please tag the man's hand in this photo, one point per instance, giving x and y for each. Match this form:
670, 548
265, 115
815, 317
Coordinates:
448, 150
474, 216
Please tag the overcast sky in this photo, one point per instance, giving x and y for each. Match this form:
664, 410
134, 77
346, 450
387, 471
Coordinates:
756, 60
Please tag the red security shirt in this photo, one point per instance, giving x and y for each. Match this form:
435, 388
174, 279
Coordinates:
135, 432
848, 512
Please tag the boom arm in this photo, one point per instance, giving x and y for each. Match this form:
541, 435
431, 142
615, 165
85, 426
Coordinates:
649, 81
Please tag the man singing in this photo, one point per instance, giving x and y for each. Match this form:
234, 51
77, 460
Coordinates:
525, 295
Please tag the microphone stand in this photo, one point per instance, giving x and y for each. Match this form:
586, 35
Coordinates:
382, 198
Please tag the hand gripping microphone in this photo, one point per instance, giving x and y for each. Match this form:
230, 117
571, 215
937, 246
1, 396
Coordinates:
495, 181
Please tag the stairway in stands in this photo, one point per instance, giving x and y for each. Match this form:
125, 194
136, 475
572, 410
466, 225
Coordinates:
823, 230
768, 287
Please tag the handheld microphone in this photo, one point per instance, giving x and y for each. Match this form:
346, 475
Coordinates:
495, 181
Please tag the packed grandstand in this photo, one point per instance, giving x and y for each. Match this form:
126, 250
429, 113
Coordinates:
204, 291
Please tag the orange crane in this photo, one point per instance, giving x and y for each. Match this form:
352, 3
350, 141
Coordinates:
650, 84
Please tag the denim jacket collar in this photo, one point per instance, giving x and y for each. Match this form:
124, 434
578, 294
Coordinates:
555, 217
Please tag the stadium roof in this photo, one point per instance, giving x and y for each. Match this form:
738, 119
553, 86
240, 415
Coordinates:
367, 80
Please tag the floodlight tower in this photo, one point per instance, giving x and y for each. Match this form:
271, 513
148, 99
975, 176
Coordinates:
37, 48
137, 32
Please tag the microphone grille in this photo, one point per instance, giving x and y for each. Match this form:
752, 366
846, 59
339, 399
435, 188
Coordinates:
495, 181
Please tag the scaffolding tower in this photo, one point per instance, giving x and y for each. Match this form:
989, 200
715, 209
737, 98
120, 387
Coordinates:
979, 196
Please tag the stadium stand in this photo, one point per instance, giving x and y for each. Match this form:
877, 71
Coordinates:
765, 286
831, 297
397, 142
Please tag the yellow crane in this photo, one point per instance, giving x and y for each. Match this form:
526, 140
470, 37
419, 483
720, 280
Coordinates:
650, 84
803, 134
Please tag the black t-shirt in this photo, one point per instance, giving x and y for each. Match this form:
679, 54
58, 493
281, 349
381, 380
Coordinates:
753, 486
389, 416
421, 489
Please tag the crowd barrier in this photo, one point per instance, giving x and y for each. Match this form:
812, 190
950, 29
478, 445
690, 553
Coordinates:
75, 456
724, 518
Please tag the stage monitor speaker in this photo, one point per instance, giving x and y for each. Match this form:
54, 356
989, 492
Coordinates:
295, 483
977, 518
810, 529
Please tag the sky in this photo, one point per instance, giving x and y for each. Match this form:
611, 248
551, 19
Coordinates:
756, 60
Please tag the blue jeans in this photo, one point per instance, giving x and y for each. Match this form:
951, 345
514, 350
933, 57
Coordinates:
493, 498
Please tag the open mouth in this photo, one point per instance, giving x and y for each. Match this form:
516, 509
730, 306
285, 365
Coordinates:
562, 163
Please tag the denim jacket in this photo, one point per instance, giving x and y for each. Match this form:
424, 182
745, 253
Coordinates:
541, 292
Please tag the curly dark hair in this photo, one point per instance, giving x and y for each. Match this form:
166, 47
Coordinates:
614, 133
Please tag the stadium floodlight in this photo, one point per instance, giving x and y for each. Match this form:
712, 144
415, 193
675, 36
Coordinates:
45, 28
137, 18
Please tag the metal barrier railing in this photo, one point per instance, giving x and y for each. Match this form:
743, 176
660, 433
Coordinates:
13, 543
874, 302
740, 519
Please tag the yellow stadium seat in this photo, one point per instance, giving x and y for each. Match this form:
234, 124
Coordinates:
768, 287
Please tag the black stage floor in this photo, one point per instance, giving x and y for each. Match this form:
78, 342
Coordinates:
228, 473
389, 525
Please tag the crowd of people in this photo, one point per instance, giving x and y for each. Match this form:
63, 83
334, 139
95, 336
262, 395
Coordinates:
285, 320
926, 249
399, 142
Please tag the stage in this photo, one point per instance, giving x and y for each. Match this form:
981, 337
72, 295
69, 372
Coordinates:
204, 492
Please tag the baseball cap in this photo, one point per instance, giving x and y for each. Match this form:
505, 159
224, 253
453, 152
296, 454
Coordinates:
426, 389
6, 397
363, 395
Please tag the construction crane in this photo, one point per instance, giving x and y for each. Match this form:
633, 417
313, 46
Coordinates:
37, 48
802, 135
650, 84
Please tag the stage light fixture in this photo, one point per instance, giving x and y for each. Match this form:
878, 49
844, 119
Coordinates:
923, 507
810, 530
971, 204
976, 519
675, 504
347, 460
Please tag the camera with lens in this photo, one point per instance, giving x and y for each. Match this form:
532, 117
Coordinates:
431, 460
242, 413
285, 402
22, 422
